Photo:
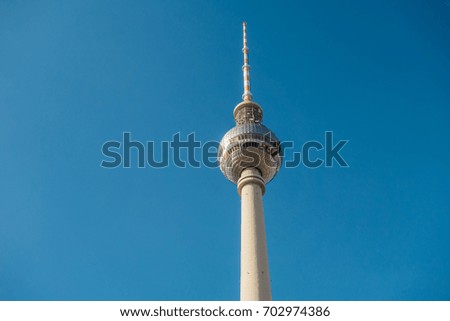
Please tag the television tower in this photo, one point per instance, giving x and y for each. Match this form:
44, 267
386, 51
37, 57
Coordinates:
250, 155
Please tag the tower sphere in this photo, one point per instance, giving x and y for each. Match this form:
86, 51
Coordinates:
249, 144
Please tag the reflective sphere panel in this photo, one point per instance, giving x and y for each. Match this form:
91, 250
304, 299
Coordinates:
249, 145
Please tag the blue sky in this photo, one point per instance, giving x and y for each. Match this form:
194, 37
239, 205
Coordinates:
75, 74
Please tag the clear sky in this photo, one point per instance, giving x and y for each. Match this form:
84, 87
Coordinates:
75, 74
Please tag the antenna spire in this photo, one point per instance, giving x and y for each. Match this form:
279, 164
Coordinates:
247, 96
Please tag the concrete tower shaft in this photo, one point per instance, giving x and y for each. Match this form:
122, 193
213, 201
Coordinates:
255, 276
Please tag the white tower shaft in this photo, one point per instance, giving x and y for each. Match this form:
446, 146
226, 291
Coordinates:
255, 276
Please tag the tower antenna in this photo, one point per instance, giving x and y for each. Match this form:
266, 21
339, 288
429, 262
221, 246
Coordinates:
247, 96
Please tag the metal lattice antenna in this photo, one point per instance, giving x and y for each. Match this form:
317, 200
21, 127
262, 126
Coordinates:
247, 96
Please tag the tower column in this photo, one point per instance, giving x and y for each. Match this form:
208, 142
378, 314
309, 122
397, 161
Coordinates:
255, 277
250, 156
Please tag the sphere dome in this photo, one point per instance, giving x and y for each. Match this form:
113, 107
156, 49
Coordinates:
248, 145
